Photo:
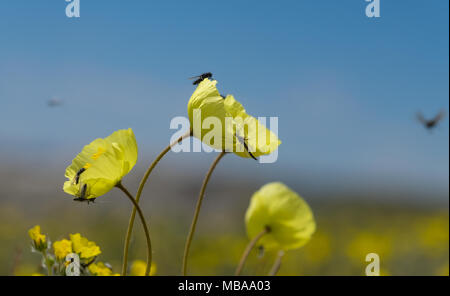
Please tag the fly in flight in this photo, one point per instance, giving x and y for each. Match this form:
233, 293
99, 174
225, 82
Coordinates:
430, 123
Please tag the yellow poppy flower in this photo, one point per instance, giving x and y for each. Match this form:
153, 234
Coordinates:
62, 248
83, 247
240, 131
138, 268
286, 216
39, 240
100, 269
101, 165
258, 138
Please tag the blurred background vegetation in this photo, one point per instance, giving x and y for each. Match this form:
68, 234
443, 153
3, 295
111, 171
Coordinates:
411, 238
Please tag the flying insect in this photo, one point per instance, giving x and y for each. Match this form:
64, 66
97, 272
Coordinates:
54, 102
430, 123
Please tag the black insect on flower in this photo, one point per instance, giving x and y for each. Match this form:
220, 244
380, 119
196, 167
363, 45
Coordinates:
82, 196
200, 78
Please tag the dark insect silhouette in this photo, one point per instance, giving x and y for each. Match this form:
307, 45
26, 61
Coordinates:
200, 78
82, 196
54, 102
430, 123
243, 141
77, 176
260, 250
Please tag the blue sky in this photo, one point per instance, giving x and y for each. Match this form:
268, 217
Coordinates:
345, 87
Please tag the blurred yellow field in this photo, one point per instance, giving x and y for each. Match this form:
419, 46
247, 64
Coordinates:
410, 241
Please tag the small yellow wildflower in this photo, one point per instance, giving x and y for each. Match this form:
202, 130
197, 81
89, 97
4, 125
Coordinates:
62, 248
284, 213
100, 269
83, 247
101, 165
39, 240
138, 268
238, 128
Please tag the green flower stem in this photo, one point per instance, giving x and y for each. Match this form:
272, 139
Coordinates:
138, 196
144, 225
249, 248
47, 263
276, 266
197, 211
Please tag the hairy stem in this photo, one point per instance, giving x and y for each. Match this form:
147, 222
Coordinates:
249, 248
277, 264
144, 225
138, 196
197, 211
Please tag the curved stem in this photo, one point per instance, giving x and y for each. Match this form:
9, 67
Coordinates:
249, 248
138, 196
276, 266
144, 225
197, 211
